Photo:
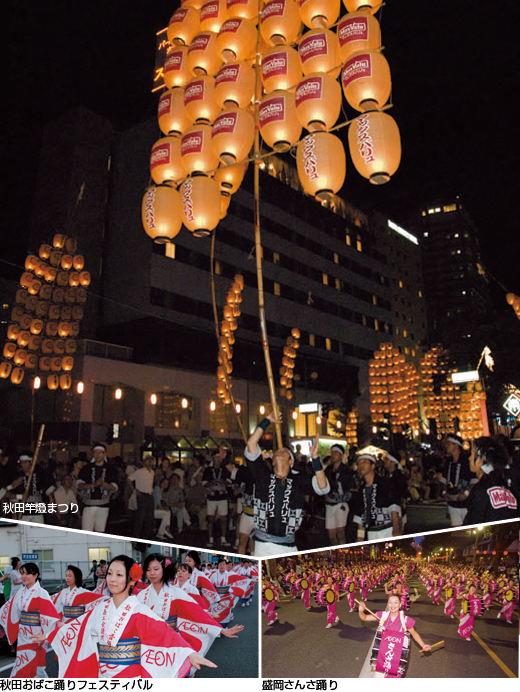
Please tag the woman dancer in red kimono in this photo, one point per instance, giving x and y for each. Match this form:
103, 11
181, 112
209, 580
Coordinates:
206, 589
467, 618
28, 614
133, 641
72, 601
393, 624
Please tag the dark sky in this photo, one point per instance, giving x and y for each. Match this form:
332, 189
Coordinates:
455, 81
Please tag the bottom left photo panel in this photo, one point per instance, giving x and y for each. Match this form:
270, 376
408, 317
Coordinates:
86, 605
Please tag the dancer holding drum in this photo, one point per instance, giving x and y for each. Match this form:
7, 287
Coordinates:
330, 596
509, 598
391, 647
471, 606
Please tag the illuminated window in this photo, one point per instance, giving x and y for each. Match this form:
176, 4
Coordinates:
98, 554
325, 279
218, 267
405, 333
170, 250
449, 207
406, 350
336, 258
276, 288
311, 340
397, 331
413, 352
348, 239
419, 293
337, 283
374, 300
276, 258
401, 284
359, 247
328, 345
376, 325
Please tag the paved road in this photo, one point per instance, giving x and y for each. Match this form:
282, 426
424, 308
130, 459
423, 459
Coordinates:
236, 658
298, 645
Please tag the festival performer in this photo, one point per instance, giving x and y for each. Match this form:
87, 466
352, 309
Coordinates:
401, 590
197, 579
509, 597
220, 581
437, 590
177, 608
469, 608
349, 585
390, 657
133, 641
28, 613
332, 618
182, 581
305, 586
71, 602
452, 592
270, 595
489, 588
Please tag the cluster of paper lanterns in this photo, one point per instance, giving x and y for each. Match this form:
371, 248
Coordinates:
443, 404
286, 371
228, 327
46, 316
393, 387
206, 111
351, 427
470, 411
514, 301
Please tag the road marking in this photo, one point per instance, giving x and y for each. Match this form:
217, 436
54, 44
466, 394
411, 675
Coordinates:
6, 667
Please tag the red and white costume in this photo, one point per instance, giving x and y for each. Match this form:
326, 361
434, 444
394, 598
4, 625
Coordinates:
73, 603
205, 588
28, 613
133, 643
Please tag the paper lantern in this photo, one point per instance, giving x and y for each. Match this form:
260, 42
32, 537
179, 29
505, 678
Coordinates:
40, 269
375, 146
35, 343
31, 261
53, 381
318, 102
165, 160
319, 52
67, 363
280, 22
36, 326
183, 26
85, 278
281, 69
366, 81
45, 251
5, 369
197, 155
31, 361
66, 262
321, 163
203, 54
212, 15
50, 274
171, 112
232, 135
357, 32
70, 346
248, 9
55, 258
23, 337
17, 375
367, 5
26, 280
196, 4
12, 332
229, 178
199, 100
279, 125
234, 85
71, 245
78, 262
74, 279
58, 241
319, 13
200, 199
160, 213
176, 72
62, 279
9, 350
25, 321
65, 381
236, 39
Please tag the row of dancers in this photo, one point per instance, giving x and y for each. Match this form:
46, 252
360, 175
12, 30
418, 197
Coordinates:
390, 651
141, 621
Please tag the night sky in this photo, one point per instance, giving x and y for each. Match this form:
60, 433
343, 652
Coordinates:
454, 68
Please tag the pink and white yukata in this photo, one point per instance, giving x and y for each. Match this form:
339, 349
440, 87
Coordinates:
508, 606
467, 620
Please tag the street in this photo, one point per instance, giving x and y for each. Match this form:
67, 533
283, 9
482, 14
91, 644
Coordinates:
298, 645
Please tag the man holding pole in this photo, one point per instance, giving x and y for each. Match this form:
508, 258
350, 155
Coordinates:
280, 493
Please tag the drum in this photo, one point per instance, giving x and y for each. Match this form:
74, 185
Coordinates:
289, 578
297, 584
449, 592
351, 587
304, 584
326, 596
405, 652
502, 583
268, 594
509, 595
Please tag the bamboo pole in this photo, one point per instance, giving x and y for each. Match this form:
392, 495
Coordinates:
258, 240
35, 459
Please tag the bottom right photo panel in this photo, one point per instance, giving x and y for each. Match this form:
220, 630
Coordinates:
439, 605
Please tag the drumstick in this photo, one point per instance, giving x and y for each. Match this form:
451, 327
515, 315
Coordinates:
441, 643
367, 610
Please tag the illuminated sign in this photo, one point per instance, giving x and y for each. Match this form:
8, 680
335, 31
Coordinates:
402, 232
308, 408
512, 405
466, 376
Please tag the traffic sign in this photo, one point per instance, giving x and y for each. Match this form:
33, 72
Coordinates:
29, 557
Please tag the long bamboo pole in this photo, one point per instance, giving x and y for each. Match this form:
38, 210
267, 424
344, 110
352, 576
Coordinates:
258, 239
33, 465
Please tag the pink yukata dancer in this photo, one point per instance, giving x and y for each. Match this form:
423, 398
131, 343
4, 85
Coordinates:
509, 597
332, 618
437, 590
451, 600
467, 619
489, 589
349, 585
306, 593
269, 598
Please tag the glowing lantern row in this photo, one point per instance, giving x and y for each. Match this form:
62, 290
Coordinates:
470, 412
228, 326
45, 320
351, 428
292, 343
441, 405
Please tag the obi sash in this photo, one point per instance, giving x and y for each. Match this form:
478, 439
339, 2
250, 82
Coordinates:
30, 619
222, 590
127, 652
172, 621
72, 612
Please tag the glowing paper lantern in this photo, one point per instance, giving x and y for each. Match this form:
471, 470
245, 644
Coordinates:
212, 15
318, 102
160, 215
375, 146
53, 381
357, 32
366, 81
5, 369
17, 375
171, 113
319, 13
319, 52
281, 69
197, 154
199, 100
184, 25
203, 54
65, 381
280, 22
165, 160
232, 135
279, 125
248, 9
176, 72
236, 39
58, 241
229, 178
200, 211
367, 5
234, 85
321, 163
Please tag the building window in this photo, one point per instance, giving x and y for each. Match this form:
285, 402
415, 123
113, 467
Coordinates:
276, 288
336, 258
325, 279
359, 247
449, 207
348, 239
337, 283
376, 325
374, 300
218, 268
328, 345
276, 258
405, 333
419, 293
98, 554
46, 559
312, 340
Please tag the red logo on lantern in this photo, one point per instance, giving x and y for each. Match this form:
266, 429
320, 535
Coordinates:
271, 110
194, 91
192, 143
308, 89
179, 16
310, 163
149, 209
231, 25
364, 140
274, 65
187, 202
313, 46
353, 30
208, 11
357, 67
227, 74
164, 104
160, 155
173, 61
224, 123
200, 42
273, 9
